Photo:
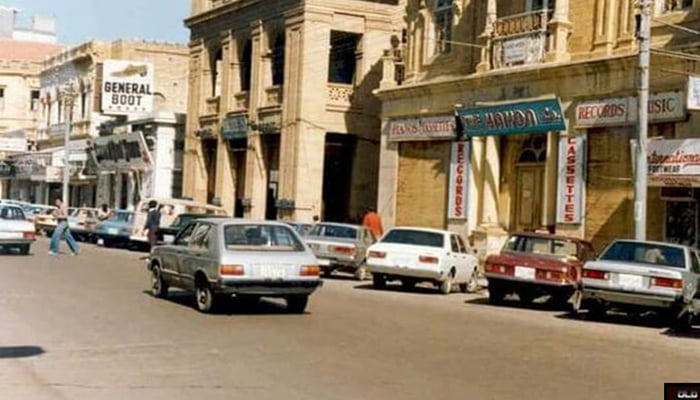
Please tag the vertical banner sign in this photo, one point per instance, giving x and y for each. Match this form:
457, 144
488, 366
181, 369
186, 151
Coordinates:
570, 187
459, 180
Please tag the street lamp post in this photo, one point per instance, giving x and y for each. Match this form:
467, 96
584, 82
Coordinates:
641, 176
68, 94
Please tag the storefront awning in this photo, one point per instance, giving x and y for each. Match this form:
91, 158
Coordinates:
537, 116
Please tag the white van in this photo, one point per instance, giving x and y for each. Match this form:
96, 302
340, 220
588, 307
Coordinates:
169, 210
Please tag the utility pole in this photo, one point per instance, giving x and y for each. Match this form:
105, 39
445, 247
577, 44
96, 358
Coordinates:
68, 98
641, 176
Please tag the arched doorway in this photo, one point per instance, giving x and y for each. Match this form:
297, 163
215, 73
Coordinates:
529, 188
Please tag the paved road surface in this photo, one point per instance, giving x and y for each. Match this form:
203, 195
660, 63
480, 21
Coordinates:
84, 328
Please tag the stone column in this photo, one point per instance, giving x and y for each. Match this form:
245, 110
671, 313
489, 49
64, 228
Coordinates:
559, 30
225, 179
604, 24
489, 235
256, 171
486, 36
549, 215
388, 71
388, 177
194, 172
626, 24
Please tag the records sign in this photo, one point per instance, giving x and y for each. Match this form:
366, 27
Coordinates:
127, 87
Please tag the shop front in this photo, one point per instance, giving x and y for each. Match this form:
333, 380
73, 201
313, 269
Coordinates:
125, 170
514, 168
609, 126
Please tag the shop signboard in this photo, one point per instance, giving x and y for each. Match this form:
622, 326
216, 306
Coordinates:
516, 50
127, 87
128, 151
459, 181
674, 163
693, 100
667, 106
235, 127
13, 145
422, 128
513, 118
571, 179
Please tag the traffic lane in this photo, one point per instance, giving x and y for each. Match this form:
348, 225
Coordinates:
356, 342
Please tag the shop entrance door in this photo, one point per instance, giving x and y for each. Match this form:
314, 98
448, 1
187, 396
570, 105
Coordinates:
681, 222
529, 197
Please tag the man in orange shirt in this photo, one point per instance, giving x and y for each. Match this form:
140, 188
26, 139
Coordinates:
373, 222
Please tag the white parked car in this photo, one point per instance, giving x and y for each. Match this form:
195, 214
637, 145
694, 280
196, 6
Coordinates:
413, 255
15, 231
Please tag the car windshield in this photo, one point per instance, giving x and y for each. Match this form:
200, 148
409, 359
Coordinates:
645, 253
334, 231
541, 245
11, 213
261, 237
419, 238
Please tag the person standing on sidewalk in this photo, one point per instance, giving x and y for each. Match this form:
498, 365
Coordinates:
62, 230
152, 225
372, 221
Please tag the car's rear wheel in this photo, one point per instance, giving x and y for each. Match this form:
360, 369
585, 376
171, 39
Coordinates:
297, 304
596, 310
23, 249
204, 297
446, 285
107, 242
496, 293
378, 281
159, 288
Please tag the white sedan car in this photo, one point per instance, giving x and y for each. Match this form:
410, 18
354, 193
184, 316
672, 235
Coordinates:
15, 231
413, 255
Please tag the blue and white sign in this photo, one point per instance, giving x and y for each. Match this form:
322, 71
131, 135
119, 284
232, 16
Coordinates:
514, 118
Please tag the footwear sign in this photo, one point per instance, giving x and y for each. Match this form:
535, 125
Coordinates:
127, 87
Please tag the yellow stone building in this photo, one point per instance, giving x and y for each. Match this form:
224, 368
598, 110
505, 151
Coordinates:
282, 121
544, 95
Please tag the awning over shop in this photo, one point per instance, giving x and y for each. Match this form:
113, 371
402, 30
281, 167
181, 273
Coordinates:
674, 163
118, 152
538, 116
235, 127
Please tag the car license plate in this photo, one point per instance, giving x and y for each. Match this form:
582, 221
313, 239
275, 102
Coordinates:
630, 281
113, 231
168, 238
272, 271
525, 273
10, 235
323, 262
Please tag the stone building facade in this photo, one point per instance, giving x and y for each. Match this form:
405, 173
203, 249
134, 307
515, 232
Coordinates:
542, 101
70, 91
282, 119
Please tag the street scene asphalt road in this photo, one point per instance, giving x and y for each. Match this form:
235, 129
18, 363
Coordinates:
86, 328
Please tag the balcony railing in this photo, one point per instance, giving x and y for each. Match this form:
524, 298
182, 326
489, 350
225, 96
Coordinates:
340, 94
212, 107
520, 39
241, 102
273, 96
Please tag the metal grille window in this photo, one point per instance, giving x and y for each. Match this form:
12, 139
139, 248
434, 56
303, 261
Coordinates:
443, 18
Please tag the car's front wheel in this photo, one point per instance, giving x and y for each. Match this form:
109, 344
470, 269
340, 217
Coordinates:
472, 285
297, 304
496, 293
23, 249
378, 281
204, 297
159, 288
446, 285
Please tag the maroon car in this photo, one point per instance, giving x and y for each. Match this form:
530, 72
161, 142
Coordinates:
533, 265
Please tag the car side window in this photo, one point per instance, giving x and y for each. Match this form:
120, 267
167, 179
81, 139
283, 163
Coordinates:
455, 244
462, 245
200, 237
184, 237
695, 262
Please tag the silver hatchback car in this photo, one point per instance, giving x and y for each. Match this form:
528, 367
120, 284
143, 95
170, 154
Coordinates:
241, 258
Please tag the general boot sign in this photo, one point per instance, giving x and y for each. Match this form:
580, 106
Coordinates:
127, 87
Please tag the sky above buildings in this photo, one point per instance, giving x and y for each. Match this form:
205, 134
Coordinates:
78, 21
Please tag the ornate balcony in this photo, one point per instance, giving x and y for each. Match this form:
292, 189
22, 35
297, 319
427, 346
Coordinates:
340, 94
520, 39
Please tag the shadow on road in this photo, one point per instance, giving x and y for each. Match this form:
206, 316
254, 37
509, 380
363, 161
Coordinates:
647, 320
424, 290
20, 351
511, 302
694, 333
14, 253
230, 306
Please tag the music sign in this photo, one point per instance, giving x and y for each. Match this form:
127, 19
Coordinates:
570, 187
127, 87
459, 181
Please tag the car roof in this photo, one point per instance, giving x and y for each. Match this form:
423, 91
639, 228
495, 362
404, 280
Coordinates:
421, 229
550, 236
651, 242
240, 221
200, 215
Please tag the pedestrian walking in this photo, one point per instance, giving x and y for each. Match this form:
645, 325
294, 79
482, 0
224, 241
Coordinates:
104, 213
152, 225
372, 221
62, 231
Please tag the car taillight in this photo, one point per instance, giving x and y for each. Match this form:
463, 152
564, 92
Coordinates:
377, 254
236, 270
499, 269
595, 274
550, 275
429, 259
30, 235
666, 282
310, 270
342, 249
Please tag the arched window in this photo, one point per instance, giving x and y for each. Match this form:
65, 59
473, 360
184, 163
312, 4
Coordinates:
533, 149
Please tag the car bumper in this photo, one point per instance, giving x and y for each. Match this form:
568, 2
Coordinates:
13, 242
336, 263
268, 288
410, 272
623, 298
509, 280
